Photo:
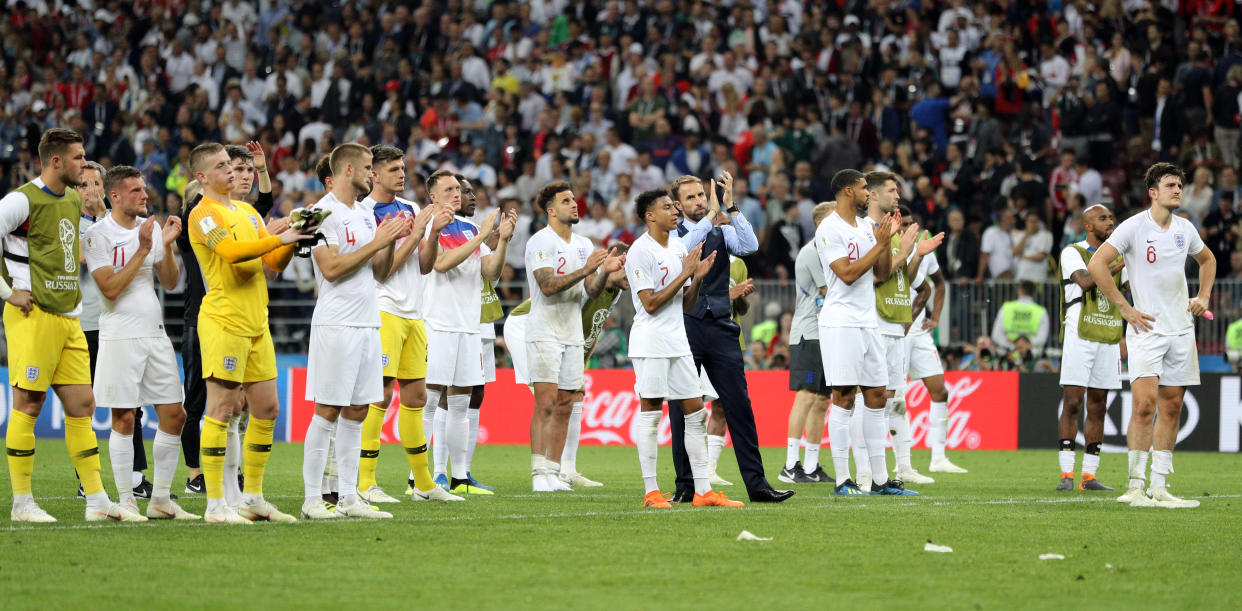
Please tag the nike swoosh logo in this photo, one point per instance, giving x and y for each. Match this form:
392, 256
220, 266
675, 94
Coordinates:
1150, 241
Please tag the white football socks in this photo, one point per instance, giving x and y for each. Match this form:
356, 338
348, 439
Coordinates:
314, 456
440, 448
166, 448
1090, 463
791, 451
121, 453
458, 433
899, 429
1161, 467
715, 445
839, 441
569, 455
938, 427
696, 448
1065, 458
811, 462
232, 461
862, 462
348, 448
647, 440
875, 428
1138, 468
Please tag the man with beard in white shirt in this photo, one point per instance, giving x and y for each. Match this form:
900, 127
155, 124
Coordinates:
344, 368
563, 270
456, 260
137, 365
403, 338
1160, 341
855, 254
895, 314
663, 276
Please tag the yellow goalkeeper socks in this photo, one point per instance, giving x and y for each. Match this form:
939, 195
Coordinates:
369, 457
410, 424
211, 455
257, 449
84, 452
20, 446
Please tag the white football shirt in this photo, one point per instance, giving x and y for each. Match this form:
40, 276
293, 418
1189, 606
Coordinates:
1156, 260
453, 300
846, 305
402, 293
650, 266
927, 267
557, 318
136, 312
350, 300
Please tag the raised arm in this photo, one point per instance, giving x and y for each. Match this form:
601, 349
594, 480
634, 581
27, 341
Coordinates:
209, 229
691, 294
446, 261
167, 268
429, 245
112, 283
494, 263
653, 300
334, 264
1098, 266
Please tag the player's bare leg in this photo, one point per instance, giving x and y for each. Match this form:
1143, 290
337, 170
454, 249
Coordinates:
1067, 431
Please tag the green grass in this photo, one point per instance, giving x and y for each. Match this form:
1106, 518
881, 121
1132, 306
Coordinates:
598, 548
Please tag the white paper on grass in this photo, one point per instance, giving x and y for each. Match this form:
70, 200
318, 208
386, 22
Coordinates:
932, 547
1051, 557
746, 535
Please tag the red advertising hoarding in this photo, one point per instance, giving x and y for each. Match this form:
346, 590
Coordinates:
983, 410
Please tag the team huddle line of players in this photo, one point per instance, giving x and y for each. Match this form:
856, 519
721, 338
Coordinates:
406, 303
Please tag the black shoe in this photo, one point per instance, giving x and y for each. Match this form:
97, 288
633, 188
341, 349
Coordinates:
143, 489
769, 495
682, 496
331, 497
196, 485
81, 492
814, 477
790, 476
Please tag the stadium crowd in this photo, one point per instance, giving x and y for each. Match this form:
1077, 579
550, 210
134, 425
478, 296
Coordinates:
1003, 120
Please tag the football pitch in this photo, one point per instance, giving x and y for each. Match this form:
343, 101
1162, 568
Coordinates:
597, 548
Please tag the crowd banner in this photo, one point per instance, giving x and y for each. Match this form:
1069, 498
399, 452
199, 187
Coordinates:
983, 410
987, 411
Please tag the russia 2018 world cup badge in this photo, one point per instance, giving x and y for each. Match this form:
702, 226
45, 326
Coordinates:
1180, 240
68, 236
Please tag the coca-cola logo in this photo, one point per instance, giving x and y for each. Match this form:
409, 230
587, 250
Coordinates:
1115, 429
959, 433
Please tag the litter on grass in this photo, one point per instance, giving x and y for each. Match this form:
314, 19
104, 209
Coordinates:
746, 535
932, 547
1051, 557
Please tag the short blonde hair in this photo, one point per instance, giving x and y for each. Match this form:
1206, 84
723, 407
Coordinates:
821, 211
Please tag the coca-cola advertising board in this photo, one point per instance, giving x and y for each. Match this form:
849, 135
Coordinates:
983, 410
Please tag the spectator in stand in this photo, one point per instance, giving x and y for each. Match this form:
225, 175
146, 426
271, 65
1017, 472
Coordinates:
1031, 248
959, 257
1063, 177
1220, 232
1225, 115
1201, 152
996, 258
784, 240
1197, 196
